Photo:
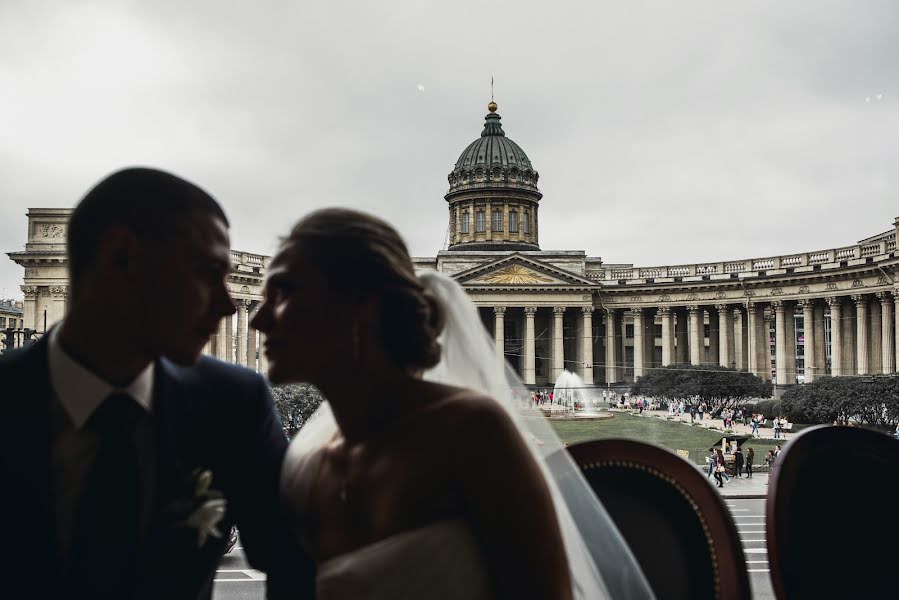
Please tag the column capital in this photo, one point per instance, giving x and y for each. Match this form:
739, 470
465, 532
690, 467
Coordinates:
721, 307
636, 310
558, 310
859, 298
664, 311
530, 311
587, 310
694, 309
807, 303
243, 303
610, 311
884, 297
29, 290
777, 305
499, 310
834, 301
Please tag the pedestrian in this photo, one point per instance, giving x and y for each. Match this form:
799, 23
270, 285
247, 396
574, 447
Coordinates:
738, 462
776, 426
769, 459
719, 467
711, 460
701, 410
755, 425
777, 450
693, 417
750, 457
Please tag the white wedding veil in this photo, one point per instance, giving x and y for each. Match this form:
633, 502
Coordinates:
601, 564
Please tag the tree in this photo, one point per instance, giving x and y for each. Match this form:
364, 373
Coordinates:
295, 403
872, 401
718, 387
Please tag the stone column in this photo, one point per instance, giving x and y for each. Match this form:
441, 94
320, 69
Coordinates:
820, 341
861, 336
220, 339
499, 332
243, 309
875, 352
780, 341
682, 350
529, 371
836, 336
810, 337
59, 296
790, 322
752, 345
30, 315
558, 342
740, 340
229, 339
587, 333
896, 328
887, 351
263, 360
765, 358
667, 336
713, 357
697, 337
725, 336
611, 346
252, 339
639, 342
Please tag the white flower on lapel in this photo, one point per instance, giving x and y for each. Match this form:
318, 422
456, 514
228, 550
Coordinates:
203, 510
205, 519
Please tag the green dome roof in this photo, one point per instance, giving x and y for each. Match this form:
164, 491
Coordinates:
496, 156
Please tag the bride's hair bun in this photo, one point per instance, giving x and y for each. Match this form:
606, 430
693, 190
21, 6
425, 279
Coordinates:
360, 254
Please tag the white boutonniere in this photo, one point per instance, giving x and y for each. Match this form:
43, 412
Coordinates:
203, 510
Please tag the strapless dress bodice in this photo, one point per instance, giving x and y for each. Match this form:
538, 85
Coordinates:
440, 561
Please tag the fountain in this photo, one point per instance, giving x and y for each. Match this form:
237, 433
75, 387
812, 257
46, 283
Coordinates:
571, 393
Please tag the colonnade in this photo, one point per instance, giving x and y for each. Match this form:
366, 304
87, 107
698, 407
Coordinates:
841, 335
236, 341
582, 362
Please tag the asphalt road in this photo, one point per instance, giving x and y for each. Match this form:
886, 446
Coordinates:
235, 579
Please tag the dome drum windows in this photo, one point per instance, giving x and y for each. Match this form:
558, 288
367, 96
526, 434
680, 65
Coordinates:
466, 226
513, 221
480, 223
496, 223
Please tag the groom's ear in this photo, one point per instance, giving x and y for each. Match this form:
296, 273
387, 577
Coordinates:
117, 252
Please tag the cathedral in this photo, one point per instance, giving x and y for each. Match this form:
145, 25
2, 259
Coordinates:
787, 318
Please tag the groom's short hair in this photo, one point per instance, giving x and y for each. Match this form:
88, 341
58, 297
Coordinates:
149, 202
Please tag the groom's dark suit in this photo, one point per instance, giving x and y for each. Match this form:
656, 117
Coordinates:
211, 416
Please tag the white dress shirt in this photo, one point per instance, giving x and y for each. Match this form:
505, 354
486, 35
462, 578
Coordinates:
79, 392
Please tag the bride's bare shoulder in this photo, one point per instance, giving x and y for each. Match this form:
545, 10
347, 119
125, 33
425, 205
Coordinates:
456, 407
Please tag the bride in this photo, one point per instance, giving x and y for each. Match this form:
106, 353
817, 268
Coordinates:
420, 477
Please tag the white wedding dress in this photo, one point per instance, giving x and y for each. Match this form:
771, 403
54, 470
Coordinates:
442, 561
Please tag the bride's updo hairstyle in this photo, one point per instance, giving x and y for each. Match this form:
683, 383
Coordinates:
359, 254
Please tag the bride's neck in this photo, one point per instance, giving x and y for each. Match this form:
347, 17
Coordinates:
366, 404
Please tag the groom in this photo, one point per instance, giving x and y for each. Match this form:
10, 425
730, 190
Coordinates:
123, 453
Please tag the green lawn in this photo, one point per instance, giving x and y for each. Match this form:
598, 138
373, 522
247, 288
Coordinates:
667, 434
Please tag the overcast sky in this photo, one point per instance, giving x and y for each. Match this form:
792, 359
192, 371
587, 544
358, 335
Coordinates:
664, 132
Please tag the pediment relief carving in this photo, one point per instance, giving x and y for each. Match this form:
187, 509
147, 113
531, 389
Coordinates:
514, 274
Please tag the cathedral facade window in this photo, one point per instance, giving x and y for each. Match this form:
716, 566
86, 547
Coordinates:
466, 227
480, 222
513, 221
496, 223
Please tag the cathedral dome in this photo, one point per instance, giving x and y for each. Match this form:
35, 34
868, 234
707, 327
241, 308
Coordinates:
493, 197
493, 159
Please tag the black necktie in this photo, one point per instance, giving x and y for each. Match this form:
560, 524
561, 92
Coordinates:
107, 527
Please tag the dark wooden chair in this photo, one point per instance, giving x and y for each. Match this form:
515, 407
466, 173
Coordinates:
831, 506
674, 521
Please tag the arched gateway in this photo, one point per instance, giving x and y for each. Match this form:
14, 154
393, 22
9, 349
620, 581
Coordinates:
791, 318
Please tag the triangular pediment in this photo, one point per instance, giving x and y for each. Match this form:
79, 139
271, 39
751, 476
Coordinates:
520, 271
